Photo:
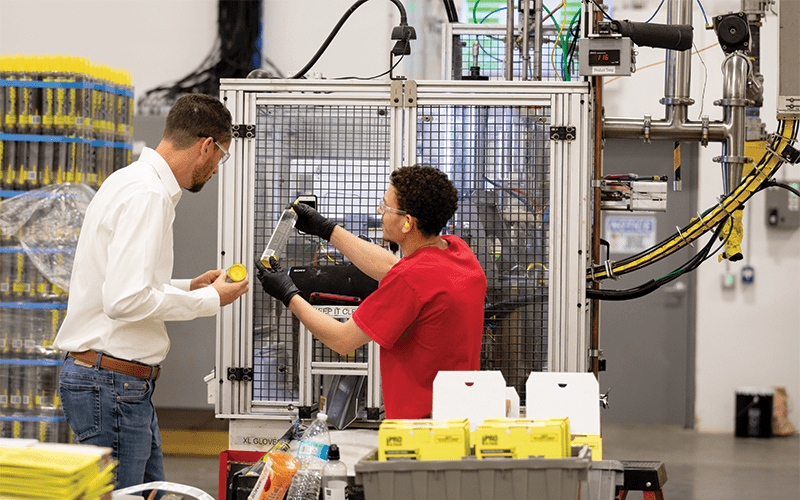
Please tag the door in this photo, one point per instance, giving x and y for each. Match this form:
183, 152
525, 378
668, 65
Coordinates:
648, 343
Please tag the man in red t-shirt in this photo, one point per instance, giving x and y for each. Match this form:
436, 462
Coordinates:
427, 313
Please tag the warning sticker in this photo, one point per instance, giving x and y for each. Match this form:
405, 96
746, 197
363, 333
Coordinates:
630, 234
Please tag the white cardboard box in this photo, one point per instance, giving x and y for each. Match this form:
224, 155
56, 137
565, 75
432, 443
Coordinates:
475, 395
565, 395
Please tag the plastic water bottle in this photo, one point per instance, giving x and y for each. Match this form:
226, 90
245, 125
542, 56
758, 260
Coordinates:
280, 237
334, 477
312, 454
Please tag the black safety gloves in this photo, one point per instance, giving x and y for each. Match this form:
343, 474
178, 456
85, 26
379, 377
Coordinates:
310, 221
276, 282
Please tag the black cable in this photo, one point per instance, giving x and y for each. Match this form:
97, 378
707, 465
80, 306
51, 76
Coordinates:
774, 183
235, 52
654, 284
601, 10
506, 306
748, 186
335, 31
573, 45
747, 181
372, 77
619, 295
452, 12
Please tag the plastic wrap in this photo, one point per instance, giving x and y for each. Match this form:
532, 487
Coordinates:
46, 223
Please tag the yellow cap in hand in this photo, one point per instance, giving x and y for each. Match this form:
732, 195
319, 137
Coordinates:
237, 272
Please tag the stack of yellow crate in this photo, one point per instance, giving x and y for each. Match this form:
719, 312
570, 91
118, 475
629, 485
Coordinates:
522, 438
56, 472
424, 439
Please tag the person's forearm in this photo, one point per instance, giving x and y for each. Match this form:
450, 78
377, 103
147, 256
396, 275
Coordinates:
373, 260
341, 337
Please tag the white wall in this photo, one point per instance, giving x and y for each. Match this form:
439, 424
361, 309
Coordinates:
158, 41
748, 335
295, 29
745, 336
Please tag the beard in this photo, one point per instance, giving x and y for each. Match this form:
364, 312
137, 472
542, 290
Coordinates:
197, 184
200, 176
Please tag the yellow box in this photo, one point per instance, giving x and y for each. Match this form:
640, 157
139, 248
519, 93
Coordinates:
593, 441
522, 438
423, 439
563, 425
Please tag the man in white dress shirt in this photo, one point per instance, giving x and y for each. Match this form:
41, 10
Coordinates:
122, 291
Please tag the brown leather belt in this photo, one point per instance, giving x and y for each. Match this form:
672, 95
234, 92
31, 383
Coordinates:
118, 365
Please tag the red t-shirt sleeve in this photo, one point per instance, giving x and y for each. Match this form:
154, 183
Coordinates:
388, 311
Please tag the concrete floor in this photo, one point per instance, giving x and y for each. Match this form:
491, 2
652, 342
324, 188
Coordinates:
711, 466
699, 465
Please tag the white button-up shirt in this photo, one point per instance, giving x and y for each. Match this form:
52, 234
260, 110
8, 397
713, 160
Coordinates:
121, 291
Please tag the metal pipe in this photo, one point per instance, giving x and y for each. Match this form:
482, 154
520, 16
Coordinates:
510, 40
674, 128
678, 73
676, 125
735, 69
538, 40
597, 174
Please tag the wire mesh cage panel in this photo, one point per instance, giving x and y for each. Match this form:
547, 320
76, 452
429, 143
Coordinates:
484, 47
340, 155
340, 142
499, 159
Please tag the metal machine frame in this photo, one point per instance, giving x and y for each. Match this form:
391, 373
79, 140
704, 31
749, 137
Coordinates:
569, 204
529, 60
370, 368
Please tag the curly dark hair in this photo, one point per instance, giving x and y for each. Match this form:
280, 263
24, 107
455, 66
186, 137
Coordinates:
427, 194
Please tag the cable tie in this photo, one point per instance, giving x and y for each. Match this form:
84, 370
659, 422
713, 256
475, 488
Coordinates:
722, 207
759, 170
703, 222
771, 137
684, 239
779, 155
609, 272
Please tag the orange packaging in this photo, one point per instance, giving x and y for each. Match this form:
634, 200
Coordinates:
282, 468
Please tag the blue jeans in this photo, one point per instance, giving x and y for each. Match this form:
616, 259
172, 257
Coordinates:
110, 409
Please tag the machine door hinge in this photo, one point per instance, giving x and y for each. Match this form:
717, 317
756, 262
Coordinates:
410, 94
397, 93
240, 374
244, 131
562, 133
601, 362
403, 94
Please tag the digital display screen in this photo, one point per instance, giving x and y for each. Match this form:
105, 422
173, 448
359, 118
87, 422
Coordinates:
604, 57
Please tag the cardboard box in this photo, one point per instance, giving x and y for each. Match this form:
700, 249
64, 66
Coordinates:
474, 395
522, 438
575, 396
423, 439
